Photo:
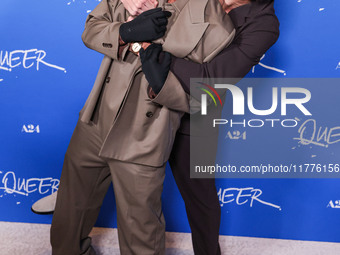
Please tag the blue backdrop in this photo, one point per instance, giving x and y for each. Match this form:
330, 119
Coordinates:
46, 74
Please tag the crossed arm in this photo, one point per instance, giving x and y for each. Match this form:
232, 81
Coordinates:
234, 61
106, 25
102, 34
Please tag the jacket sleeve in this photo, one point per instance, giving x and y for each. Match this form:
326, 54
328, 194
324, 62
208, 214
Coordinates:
172, 95
233, 62
101, 31
221, 29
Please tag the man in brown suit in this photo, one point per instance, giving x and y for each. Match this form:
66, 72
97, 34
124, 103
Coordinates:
124, 136
257, 29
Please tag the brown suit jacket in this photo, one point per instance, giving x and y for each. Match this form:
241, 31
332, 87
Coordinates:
257, 29
143, 129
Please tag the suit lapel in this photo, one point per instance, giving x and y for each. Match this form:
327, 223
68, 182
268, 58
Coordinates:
188, 28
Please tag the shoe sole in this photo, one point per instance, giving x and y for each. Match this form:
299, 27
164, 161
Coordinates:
42, 213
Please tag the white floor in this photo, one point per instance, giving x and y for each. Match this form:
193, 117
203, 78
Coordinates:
33, 239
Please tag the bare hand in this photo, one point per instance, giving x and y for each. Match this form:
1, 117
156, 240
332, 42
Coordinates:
136, 7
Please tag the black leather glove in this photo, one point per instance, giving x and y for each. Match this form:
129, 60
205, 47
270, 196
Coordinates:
156, 69
148, 26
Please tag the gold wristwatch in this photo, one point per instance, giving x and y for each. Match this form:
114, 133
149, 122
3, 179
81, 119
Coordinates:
136, 47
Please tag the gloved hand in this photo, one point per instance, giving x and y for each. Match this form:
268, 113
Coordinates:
155, 69
148, 26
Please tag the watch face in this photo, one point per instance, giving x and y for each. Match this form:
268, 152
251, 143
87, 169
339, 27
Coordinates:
136, 47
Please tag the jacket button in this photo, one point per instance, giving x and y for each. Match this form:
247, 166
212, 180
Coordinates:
149, 114
107, 45
107, 79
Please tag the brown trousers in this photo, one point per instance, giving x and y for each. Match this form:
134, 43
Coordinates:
84, 182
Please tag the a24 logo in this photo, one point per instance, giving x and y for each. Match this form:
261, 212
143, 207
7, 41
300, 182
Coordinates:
334, 204
236, 135
30, 129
